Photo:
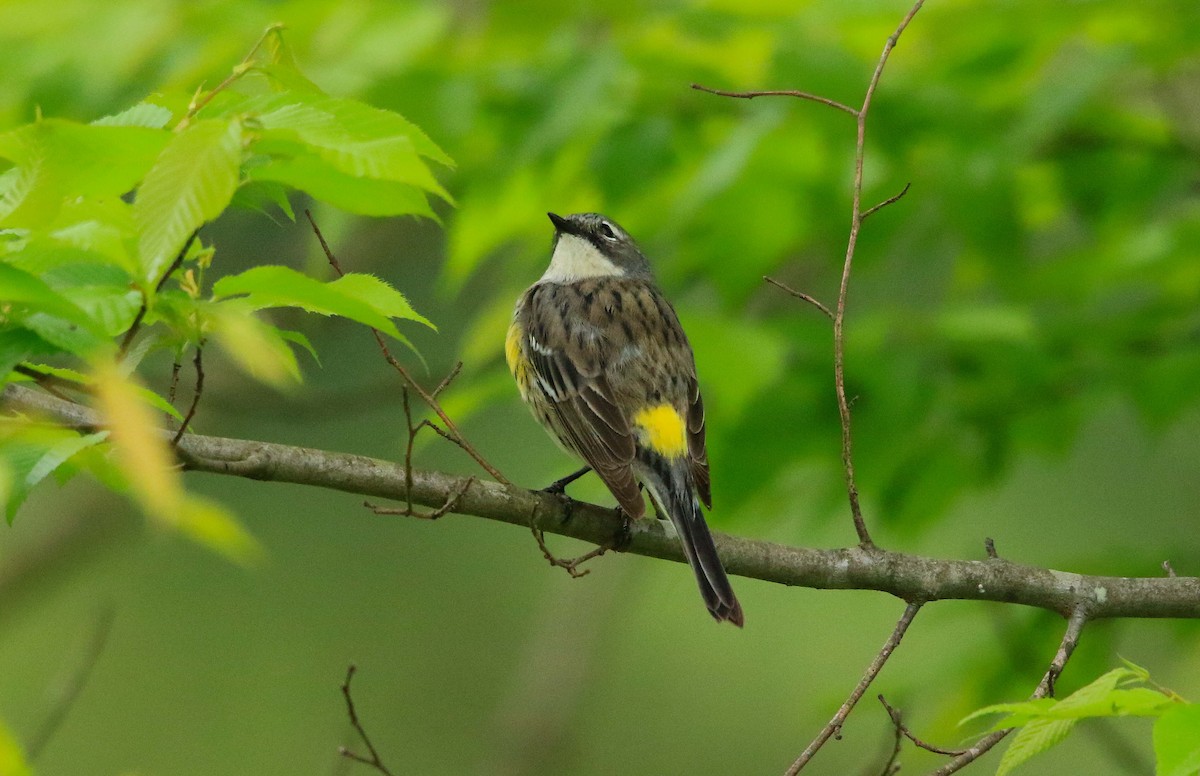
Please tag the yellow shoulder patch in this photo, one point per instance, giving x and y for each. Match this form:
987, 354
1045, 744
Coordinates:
514, 356
663, 430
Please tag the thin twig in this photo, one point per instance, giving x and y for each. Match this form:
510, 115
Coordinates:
839, 347
891, 766
902, 729
1167, 567
1044, 689
779, 93
890, 200
799, 295
127, 340
570, 565
239, 70
198, 363
834, 727
856, 220
989, 546
373, 760
447, 507
430, 399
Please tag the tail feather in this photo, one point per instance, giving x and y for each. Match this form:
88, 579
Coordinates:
683, 508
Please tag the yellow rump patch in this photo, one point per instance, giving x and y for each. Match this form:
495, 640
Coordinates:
512, 354
662, 430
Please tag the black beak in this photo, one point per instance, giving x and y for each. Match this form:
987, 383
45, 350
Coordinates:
560, 224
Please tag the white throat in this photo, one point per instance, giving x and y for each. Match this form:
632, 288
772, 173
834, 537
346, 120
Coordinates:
575, 258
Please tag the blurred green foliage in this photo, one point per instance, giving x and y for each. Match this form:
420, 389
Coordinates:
1042, 270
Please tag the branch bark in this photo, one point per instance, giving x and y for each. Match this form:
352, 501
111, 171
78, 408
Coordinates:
909, 577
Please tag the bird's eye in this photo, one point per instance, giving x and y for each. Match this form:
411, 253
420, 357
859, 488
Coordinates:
606, 231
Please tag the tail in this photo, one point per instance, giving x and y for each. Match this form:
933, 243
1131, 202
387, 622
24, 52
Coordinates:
683, 508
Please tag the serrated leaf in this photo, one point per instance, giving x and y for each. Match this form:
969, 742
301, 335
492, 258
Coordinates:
1015, 713
364, 196
57, 455
191, 183
278, 286
61, 160
1177, 741
367, 140
1033, 739
144, 114
379, 295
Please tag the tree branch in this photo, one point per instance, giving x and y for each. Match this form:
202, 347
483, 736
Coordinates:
834, 727
909, 577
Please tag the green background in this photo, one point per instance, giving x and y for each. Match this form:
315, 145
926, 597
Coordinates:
1023, 342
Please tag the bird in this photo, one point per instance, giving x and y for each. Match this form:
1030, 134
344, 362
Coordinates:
601, 359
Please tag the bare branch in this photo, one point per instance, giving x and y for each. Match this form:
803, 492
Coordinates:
834, 727
779, 93
799, 295
902, 729
198, 363
908, 577
890, 200
373, 760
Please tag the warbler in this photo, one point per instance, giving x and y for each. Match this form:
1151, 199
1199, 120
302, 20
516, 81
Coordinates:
600, 358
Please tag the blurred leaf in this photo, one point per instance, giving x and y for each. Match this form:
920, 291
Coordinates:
1177, 741
191, 182
12, 758
258, 348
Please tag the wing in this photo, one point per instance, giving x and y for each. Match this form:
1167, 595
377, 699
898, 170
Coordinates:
697, 451
567, 360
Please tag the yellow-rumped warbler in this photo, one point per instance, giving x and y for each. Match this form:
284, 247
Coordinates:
600, 357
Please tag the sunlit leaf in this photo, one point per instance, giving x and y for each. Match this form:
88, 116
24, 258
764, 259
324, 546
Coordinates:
191, 182
257, 347
12, 757
276, 286
1033, 739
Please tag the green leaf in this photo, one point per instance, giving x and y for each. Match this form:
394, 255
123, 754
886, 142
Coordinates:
380, 295
296, 338
12, 758
144, 114
390, 158
277, 286
1033, 739
360, 139
260, 194
191, 183
59, 454
59, 160
257, 347
1177, 741
365, 196
21, 288
147, 395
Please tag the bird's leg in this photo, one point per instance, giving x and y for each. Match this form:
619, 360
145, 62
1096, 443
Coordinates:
560, 486
624, 535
